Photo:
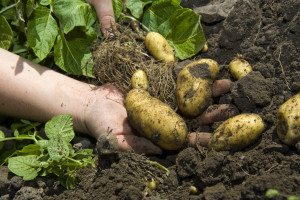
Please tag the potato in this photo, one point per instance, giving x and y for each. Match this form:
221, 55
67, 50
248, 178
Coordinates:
194, 86
205, 48
237, 133
155, 120
159, 47
239, 67
288, 121
139, 80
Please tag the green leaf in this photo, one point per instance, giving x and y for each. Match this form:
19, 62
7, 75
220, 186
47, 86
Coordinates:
6, 33
31, 149
72, 52
136, 6
117, 6
60, 127
72, 13
42, 31
271, 193
58, 148
44, 2
186, 35
26, 166
156, 17
180, 26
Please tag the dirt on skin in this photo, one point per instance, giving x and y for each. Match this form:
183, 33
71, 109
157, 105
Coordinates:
267, 34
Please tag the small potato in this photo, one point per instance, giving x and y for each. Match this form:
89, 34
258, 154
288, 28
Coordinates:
194, 86
288, 121
239, 67
139, 80
155, 120
205, 48
237, 133
159, 47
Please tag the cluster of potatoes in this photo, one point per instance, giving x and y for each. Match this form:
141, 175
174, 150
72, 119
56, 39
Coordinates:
162, 125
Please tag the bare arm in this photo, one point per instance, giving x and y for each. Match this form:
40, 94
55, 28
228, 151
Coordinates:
28, 90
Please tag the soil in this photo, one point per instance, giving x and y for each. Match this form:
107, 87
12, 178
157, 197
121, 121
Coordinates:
267, 34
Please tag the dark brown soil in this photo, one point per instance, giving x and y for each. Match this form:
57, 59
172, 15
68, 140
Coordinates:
267, 34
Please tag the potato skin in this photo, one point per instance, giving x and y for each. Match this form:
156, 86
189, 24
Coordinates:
288, 121
239, 67
155, 120
237, 133
159, 47
194, 86
139, 80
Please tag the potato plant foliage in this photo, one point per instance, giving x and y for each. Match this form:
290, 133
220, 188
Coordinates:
33, 156
60, 32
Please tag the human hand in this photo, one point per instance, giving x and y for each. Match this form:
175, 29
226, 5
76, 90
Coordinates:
105, 15
106, 109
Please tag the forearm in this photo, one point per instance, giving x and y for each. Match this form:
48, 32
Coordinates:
30, 91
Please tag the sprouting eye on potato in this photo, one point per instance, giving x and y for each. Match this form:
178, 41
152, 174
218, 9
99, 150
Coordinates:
237, 133
288, 121
194, 86
155, 120
159, 47
139, 80
239, 67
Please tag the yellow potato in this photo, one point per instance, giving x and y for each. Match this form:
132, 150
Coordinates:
288, 121
194, 86
239, 67
139, 80
237, 133
155, 120
159, 47
205, 48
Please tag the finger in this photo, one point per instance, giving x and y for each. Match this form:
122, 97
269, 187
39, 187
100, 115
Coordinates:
139, 145
105, 15
221, 87
199, 138
215, 113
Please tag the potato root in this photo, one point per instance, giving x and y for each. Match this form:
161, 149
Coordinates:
155, 120
139, 80
239, 67
159, 47
288, 121
194, 86
237, 133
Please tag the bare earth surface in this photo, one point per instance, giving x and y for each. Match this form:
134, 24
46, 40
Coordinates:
267, 34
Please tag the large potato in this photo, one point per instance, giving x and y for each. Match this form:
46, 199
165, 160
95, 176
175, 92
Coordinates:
237, 133
194, 86
155, 120
239, 67
159, 47
139, 80
288, 121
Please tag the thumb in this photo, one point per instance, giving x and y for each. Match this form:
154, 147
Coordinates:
105, 15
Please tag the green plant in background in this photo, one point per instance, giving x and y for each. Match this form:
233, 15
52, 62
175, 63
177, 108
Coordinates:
50, 31
272, 193
40, 157
60, 32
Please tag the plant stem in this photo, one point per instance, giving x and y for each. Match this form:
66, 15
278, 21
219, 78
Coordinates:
159, 165
8, 7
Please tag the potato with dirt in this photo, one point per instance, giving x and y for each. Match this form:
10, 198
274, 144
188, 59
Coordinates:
288, 121
155, 120
239, 67
194, 86
139, 80
159, 47
237, 133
